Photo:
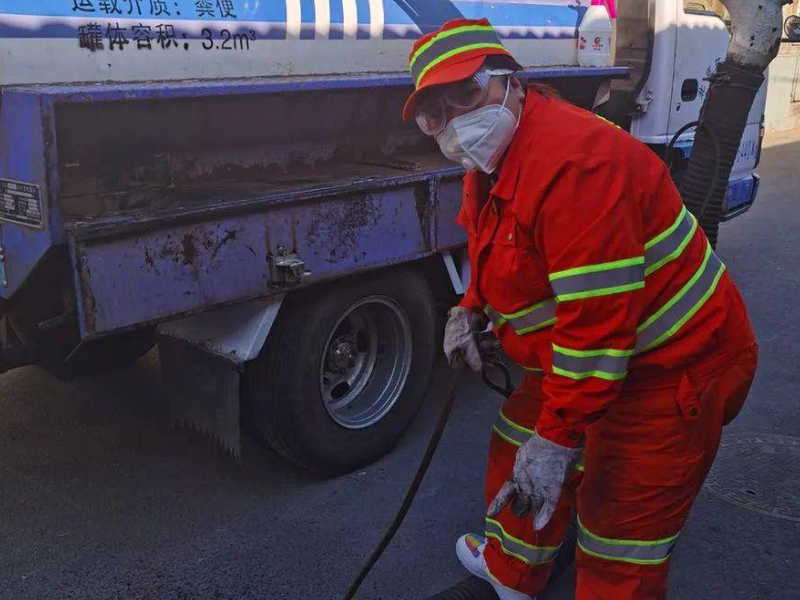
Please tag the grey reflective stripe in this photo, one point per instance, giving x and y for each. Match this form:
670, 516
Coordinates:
510, 431
532, 555
669, 245
530, 319
640, 552
578, 364
598, 280
451, 44
495, 317
683, 305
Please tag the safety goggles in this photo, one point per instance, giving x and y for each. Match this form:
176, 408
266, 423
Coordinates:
432, 111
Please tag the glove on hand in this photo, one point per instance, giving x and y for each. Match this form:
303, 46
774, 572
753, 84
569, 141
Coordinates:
460, 336
540, 469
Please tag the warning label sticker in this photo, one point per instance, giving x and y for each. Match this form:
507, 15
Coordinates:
21, 203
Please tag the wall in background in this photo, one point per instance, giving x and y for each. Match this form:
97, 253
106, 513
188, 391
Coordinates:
783, 100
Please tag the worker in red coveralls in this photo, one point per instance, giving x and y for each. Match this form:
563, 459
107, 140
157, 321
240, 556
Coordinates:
599, 283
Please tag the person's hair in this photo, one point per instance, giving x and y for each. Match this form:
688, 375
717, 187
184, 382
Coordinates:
504, 62
548, 91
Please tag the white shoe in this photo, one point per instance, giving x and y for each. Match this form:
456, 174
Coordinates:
469, 549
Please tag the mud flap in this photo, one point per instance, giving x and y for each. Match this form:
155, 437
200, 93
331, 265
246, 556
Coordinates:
203, 391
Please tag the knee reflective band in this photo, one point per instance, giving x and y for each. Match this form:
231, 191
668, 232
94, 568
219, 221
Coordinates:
669, 244
605, 363
682, 306
511, 432
638, 552
598, 280
531, 555
450, 43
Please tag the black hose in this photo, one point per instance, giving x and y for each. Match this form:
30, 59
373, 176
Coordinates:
723, 119
412, 490
504, 390
717, 152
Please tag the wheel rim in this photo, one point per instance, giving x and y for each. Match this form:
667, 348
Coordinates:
366, 362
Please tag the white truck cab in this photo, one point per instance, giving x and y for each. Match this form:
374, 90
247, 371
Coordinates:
689, 38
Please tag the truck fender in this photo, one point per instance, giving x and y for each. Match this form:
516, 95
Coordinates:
235, 333
457, 265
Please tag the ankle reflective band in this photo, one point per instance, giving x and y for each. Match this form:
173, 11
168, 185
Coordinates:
511, 432
531, 555
682, 306
638, 552
670, 244
606, 363
450, 43
598, 280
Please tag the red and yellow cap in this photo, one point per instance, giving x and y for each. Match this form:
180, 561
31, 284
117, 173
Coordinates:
454, 52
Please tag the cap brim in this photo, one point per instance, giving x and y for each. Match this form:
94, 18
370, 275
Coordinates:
453, 72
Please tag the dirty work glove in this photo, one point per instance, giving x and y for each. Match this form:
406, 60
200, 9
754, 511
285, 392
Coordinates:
540, 468
460, 336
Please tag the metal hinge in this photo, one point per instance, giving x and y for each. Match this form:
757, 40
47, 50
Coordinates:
643, 101
287, 268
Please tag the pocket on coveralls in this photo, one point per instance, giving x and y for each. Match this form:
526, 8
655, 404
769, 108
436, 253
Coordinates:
736, 381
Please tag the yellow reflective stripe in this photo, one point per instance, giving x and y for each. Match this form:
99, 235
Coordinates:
681, 215
587, 374
607, 266
654, 263
513, 546
641, 552
506, 438
635, 561
460, 50
511, 423
592, 353
668, 320
527, 320
598, 280
605, 363
511, 432
446, 34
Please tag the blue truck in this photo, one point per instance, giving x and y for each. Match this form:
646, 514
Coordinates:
232, 181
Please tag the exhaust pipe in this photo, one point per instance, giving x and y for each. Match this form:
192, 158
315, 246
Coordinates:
756, 37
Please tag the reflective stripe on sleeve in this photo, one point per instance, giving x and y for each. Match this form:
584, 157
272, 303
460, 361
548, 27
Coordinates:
527, 320
605, 363
598, 280
531, 555
670, 244
511, 432
668, 320
638, 552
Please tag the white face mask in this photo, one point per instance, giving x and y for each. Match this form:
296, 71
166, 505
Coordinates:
479, 138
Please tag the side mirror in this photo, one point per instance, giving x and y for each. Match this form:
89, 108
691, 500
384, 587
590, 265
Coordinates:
792, 28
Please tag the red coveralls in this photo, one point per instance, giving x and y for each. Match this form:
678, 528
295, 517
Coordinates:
635, 338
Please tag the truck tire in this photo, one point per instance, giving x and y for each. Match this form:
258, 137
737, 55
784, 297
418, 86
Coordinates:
344, 371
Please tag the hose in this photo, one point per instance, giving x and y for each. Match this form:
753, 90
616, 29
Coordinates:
717, 152
464, 590
723, 119
414, 487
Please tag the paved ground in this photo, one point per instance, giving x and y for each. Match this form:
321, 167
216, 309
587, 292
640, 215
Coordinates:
99, 499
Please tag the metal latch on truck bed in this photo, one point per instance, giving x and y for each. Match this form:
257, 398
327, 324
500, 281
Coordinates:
287, 268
